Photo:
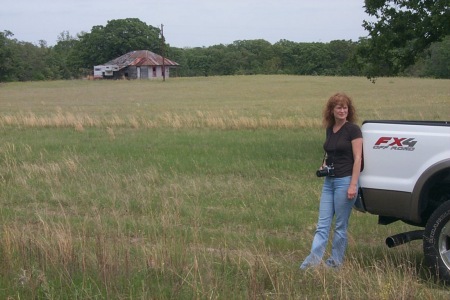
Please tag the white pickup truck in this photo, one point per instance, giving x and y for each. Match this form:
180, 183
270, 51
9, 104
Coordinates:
406, 177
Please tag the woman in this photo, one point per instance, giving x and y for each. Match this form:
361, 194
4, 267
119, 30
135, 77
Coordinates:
343, 148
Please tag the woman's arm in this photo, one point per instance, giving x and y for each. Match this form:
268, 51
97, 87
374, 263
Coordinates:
357, 158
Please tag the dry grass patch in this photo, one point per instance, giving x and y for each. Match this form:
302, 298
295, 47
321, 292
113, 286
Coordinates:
191, 189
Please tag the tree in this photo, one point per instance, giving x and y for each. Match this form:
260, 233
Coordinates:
342, 57
118, 37
401, 32
6, 56
304, 58
436, 62
64, 56
254, 56
30, 61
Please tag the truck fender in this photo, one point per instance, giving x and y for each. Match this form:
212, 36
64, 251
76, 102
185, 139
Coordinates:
419, 202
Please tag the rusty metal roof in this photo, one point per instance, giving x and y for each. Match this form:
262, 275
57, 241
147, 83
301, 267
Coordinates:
141, 58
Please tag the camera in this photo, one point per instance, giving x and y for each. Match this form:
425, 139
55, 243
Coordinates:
326, 171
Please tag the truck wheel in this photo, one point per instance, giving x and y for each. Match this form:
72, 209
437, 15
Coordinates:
436, 242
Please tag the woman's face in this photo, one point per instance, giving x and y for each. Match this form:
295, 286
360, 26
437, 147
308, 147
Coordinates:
340, 112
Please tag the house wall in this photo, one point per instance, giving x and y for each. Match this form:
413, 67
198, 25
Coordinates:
142, 72
131, 72
153, 72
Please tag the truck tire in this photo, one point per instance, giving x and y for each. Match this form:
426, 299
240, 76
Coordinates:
436, 242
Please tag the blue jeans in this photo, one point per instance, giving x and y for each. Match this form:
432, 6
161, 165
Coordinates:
333, 202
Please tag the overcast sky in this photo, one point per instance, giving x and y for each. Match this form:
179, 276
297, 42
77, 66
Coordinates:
191, 23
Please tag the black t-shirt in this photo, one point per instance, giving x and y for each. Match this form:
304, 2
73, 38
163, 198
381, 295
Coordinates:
339, 148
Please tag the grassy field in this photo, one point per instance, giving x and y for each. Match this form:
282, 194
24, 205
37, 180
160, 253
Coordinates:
193, 188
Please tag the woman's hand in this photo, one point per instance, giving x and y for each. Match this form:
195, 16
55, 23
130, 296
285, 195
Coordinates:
357, 157
351, 192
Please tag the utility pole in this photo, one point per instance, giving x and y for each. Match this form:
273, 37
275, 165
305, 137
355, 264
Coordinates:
162, 53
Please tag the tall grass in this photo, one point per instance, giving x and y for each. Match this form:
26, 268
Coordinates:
246, 102
193, 188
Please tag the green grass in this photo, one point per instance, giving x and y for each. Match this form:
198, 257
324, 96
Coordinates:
192, 188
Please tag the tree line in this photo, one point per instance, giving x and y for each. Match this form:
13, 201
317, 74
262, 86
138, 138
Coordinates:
74, 56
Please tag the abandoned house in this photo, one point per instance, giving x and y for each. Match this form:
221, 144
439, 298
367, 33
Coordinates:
141, 64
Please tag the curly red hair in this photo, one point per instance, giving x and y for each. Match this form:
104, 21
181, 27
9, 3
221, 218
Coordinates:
338, 99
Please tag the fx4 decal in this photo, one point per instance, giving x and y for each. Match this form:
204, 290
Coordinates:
395, 143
